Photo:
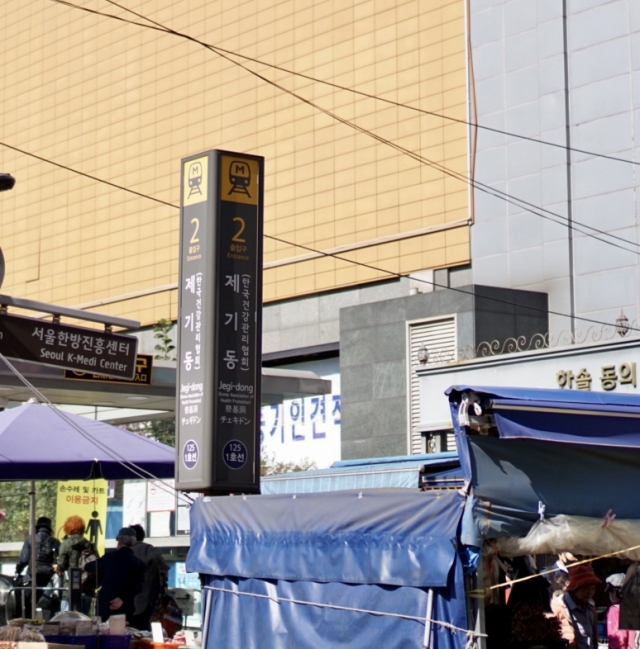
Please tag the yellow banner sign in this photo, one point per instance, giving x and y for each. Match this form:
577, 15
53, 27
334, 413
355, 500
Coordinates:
87, 499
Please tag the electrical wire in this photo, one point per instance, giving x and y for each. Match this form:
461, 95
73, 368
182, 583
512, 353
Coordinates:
81, 173
518, 202
168, 30
492, 191
449, 288
474, 183
290, 243
134, 468
337, 256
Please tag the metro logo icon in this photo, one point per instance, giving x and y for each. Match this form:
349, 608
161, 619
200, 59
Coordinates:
195, 181
239, 179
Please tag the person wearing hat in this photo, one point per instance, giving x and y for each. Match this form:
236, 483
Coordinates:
618, 638
47, 548
576, 610
121, 575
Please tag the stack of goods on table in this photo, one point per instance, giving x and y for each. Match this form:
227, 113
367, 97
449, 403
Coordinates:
73, 628
23, 633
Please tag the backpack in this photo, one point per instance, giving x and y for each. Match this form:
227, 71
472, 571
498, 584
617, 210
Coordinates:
45, 549
45, 554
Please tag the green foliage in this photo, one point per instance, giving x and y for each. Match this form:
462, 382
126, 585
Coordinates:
162, 333
14, 501
162, 430
270, 466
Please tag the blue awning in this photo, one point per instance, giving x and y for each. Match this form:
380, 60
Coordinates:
403, 472
554, 451
370, 537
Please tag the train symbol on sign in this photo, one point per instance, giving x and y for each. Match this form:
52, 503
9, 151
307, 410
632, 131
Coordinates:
195, 179
239, 177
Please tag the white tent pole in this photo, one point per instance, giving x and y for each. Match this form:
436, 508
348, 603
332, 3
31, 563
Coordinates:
32, 527
426, 644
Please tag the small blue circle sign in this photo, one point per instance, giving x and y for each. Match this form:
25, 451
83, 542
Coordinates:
190, 454
234, 454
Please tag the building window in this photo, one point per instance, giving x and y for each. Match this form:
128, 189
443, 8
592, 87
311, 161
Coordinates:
439, 441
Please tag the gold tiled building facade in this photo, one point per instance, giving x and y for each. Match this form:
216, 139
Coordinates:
89, 98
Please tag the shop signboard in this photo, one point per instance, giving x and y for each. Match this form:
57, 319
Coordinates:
219, 334
183, 520
305, 431
603, 367
69, 347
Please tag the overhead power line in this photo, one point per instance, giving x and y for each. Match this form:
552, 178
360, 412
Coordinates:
80, 173
340, 257
335, 255
159, 27
521, 203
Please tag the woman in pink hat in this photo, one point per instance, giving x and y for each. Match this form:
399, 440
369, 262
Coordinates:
576, 610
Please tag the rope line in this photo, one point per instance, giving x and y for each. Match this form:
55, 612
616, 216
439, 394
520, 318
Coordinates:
480, 592
278, 600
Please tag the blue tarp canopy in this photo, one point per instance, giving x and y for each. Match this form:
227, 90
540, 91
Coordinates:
569, 451
376, 473
309, 566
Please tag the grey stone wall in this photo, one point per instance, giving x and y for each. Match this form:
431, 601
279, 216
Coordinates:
315, 320
373, 355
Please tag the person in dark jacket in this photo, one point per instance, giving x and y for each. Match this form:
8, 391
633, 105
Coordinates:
121, 575
575, 609
46, 548
155, 579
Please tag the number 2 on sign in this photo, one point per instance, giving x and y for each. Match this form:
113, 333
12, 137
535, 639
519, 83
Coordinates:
237, 236
194, 236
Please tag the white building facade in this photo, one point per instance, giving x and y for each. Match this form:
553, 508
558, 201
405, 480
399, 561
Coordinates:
565, 73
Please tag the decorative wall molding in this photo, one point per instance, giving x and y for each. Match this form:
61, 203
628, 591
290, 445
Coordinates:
594, 334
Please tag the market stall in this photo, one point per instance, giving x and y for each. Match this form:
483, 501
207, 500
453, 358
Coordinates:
370, 568
551, 478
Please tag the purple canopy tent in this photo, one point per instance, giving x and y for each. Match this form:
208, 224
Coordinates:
40, 442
